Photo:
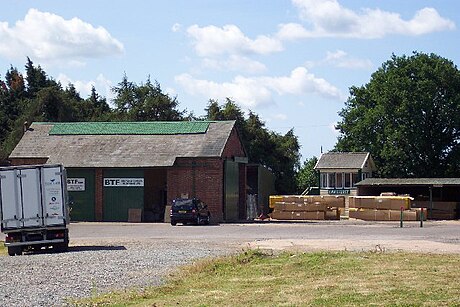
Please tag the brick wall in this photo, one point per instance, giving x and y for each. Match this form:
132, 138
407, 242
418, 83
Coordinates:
200, 177
99, 201
233, 148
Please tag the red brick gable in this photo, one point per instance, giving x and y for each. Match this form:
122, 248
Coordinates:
234, 146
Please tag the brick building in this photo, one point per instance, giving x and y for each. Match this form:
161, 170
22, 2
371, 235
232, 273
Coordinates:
115, 168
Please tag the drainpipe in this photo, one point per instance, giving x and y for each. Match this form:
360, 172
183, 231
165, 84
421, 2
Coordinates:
431, 202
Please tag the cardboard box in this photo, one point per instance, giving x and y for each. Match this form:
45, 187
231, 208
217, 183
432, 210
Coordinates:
281, 215
167, 217
328, 200
309, 215
134, 215
370, 215
333, 214
300, 215
380, 202
407, 215
437, 205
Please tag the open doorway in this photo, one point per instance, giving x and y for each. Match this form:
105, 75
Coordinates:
154, 194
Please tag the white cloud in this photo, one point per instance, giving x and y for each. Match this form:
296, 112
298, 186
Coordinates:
212, 40
243, 90
340, 58
328, 18
101, 83
49, 37
280, 117
257, 91
176, 27
235, 63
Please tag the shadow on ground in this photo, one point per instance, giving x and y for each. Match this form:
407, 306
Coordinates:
86, 248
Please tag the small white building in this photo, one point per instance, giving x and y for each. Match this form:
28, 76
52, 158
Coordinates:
339, 172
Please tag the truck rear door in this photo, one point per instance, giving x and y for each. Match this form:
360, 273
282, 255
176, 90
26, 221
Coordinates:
31, 197
21, 198
53, 196
10, 201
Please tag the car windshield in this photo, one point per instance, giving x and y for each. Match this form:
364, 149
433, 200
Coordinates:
186, 204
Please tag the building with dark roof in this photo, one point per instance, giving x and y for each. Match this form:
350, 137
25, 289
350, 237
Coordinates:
441, 196
340, 171
115, 168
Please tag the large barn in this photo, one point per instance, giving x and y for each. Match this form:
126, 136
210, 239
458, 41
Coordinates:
116, 168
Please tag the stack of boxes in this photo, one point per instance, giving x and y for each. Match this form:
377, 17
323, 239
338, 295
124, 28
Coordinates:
383, 208
439, 210
306, 207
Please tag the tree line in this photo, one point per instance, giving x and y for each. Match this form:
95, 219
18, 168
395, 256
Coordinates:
407, 116
37, 97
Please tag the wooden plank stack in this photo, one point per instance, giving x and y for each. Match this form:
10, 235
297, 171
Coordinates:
306, 207
383, 208
439, 210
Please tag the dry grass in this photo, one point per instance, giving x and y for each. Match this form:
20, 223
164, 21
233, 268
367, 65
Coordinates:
305, 279
3, 250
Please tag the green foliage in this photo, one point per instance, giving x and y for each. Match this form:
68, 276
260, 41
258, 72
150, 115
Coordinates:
307, 176
279, 153
36, 97
145, 102
39, 98
408, 117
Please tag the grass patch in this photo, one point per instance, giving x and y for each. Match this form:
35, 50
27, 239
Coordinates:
3, 250
254, 278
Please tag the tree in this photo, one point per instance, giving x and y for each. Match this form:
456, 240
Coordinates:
36, 79
307, 176
144, 102
279, 153
407, 116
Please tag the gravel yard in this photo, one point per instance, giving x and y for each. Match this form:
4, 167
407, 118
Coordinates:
46, 279
108, 256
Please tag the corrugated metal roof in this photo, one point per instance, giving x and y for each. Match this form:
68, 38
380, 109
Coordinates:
132, 128
121, 150
409, 181
343, 160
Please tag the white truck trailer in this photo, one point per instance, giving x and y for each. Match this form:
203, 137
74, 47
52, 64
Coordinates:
33, 208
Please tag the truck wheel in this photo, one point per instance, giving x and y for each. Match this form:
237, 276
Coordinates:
61, 248
11, 251
16, 250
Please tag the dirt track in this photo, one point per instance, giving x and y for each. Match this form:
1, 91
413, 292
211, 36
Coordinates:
434, 237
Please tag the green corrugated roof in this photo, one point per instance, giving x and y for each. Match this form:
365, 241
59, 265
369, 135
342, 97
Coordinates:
138, 128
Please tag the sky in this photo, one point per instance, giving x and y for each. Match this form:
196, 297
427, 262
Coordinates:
291, 62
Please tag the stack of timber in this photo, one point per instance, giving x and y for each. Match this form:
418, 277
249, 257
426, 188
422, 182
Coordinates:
439, 210
384, 208
306, 207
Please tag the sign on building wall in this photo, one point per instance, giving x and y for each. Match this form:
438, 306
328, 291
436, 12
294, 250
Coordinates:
123, 182
338, 192
75, 184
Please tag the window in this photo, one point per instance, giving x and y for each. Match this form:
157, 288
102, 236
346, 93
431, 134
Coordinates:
365, 175
323, 180
339, 180
348, 180
355, 179
331, 180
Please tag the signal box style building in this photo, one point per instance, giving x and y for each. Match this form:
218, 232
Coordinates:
117, 168
339, 172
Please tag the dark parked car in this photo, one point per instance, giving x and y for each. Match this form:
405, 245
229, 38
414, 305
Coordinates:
189, 211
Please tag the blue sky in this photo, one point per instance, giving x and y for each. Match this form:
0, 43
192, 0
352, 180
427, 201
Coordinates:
291, 62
